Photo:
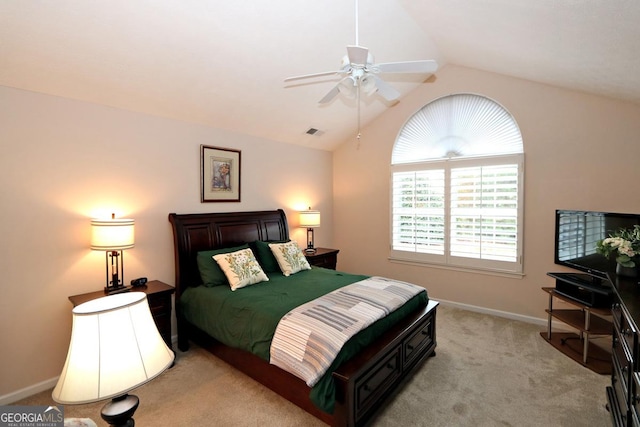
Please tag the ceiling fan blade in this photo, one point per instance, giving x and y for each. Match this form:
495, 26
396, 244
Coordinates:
385, 90
307, 76
357, 55
329, 96
426, 66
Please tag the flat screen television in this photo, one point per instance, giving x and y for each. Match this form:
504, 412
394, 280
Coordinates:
577, 233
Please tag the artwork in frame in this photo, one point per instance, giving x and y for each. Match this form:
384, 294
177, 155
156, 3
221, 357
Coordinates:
220, 174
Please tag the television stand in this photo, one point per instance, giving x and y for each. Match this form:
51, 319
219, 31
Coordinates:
590, 323
584, 289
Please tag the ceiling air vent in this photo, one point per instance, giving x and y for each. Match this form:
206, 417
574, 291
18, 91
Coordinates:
314, 131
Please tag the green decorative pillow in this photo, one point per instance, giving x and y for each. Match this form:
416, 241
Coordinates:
290, 258
264, 255
210, 272
241, 268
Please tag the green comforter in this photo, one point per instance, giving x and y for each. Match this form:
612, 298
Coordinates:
247, 318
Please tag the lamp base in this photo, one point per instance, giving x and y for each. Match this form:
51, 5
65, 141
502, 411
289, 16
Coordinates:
310, 250
119, 412
112, 290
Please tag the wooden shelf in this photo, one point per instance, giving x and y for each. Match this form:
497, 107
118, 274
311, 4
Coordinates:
576, 319
570, 344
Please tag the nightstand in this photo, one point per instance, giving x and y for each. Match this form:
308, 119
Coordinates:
159, 297
323, 257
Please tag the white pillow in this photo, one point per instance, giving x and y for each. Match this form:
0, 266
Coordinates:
241, 268
290, 258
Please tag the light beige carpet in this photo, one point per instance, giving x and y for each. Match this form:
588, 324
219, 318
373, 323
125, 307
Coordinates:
488, 371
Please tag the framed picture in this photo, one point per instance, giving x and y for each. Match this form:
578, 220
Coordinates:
219, 174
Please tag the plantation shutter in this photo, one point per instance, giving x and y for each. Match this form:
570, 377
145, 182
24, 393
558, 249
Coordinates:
419, 211
484, 212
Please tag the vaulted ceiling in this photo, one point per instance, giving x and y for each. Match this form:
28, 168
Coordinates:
222, 63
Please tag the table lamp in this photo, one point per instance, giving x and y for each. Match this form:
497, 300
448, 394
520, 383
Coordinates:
310, 219
113, 236
115, 347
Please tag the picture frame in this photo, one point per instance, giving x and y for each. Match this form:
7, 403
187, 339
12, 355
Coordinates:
219, 174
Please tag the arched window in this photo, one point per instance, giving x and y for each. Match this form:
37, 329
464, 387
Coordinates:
457, 186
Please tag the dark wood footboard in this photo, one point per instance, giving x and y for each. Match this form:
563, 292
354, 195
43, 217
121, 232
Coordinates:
364, 383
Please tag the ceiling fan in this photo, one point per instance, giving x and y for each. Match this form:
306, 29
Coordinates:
359, 73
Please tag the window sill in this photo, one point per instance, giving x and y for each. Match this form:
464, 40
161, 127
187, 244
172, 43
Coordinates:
488, 272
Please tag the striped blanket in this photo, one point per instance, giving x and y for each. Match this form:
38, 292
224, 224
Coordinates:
308, 338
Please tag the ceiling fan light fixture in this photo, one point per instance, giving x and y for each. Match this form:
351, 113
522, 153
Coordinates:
368, 84
347, 86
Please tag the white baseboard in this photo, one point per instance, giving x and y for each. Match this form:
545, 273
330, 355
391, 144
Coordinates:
499, 313
10, 398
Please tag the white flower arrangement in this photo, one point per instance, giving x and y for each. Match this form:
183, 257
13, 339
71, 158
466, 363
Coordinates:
624, 244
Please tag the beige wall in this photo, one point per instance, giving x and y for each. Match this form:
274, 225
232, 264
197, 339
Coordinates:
63, 162
581, 152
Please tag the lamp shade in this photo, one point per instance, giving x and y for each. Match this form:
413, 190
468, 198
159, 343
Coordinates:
115, 347
112, 234
310, 219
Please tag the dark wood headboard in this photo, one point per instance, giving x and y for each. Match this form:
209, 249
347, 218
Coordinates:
198, 232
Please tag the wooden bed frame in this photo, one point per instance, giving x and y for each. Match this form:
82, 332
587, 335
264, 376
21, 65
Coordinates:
363, 383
